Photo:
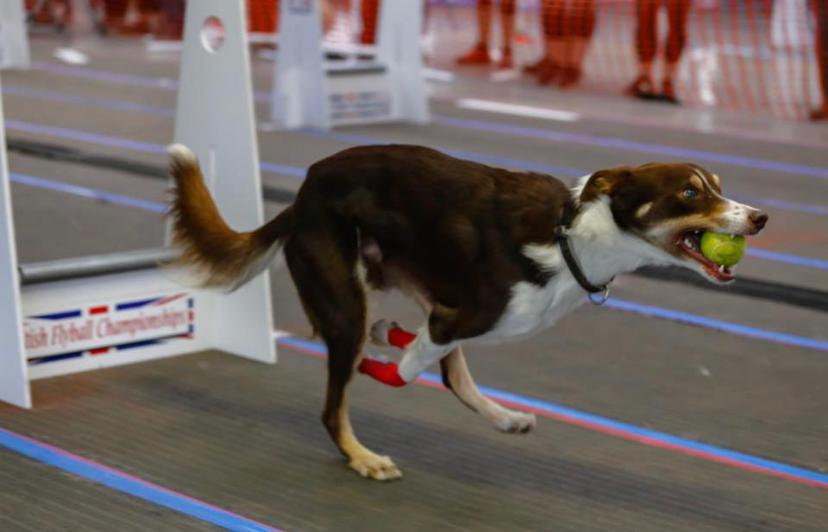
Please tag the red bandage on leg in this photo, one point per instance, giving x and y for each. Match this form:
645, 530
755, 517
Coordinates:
385, 372
400, 338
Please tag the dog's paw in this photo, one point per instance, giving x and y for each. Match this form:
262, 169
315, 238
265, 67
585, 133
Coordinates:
379, 332
515, 422
370, 465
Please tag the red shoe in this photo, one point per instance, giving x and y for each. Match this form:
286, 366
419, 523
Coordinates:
668, 91
819, 114
479, 55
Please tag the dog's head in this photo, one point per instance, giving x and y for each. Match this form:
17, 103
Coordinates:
669, 206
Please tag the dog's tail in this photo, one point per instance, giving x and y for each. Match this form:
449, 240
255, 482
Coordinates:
220, 256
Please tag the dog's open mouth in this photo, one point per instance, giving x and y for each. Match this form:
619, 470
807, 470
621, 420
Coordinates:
689, 244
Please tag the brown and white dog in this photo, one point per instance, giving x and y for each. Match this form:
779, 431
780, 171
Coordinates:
490, 254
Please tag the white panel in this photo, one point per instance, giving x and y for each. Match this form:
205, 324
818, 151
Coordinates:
14, 384
215, 119
300, 86
14, 41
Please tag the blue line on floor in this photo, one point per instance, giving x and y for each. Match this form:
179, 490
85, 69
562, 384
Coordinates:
618, 428
632, 145
125, 483
90, 193
717, 325
558, 170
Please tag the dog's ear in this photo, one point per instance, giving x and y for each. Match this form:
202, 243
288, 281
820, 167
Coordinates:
604, 182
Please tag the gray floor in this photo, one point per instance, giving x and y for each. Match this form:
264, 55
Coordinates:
247, 437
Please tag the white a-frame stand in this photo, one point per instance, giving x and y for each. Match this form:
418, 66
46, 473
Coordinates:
74, 315
14, 39
365, 85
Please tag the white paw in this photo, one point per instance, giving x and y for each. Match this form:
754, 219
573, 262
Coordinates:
370, 465
379, 332
515, 422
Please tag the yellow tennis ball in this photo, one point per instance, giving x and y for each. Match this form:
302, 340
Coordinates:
724, 250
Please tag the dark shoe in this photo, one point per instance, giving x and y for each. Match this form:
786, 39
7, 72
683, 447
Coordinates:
819, 114
549, 73
571, 76
668, 92
642, 88
534, 68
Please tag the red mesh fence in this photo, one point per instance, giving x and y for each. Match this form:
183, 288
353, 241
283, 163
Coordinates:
763, 56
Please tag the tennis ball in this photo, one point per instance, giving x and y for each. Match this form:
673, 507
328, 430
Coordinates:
724, 250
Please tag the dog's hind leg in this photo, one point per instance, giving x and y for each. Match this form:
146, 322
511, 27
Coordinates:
323, 267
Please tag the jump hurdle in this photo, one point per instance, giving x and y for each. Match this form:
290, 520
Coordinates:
74, 315
368, 84
14, 39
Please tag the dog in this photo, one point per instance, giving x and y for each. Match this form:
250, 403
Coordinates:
491, 255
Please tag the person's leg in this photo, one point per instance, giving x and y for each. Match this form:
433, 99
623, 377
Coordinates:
555, 43
507, 26
646, 31
479, 55
545, 28
821, 15
580, 27
369, 10
677, 13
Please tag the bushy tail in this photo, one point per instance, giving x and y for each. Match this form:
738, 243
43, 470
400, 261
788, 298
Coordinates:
220, 256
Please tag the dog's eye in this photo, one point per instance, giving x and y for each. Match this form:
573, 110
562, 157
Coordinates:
690, 193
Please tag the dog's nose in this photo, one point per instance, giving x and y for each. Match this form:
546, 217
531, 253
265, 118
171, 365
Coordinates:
758, 219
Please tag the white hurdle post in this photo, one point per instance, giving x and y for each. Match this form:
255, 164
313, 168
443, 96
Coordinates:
14, 39
74, 315
372, 84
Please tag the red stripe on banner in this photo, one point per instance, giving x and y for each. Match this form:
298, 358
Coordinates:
103, 309
165, 300
191, 316
99, 351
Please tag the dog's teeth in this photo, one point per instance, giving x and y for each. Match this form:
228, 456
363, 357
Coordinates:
688, 242
722, 268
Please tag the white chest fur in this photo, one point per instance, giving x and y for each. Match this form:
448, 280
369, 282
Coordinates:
532, 307
603, 251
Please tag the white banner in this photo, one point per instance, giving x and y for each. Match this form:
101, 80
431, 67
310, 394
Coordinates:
99, 326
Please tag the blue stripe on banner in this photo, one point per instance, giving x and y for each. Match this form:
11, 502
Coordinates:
125, 483
142, 343
60, 315
616, 427
631, 145
54, 358
135, 304
718, 325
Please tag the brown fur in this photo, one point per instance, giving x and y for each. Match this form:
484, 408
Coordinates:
450, 231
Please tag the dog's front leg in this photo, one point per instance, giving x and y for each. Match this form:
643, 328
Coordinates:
457, 378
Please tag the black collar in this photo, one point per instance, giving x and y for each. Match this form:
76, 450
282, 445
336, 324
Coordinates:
571, 262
